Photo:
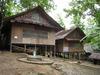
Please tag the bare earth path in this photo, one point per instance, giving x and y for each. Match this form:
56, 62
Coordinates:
10, 66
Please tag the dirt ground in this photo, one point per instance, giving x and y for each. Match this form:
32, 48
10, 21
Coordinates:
9, 65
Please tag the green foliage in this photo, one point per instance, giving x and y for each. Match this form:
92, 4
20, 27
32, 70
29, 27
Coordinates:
94, 37
46, 4
60, 21
12, 7
80, 9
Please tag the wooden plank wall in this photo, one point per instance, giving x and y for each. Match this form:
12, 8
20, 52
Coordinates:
63, 43
17, 30
74, 49
59, 45
77, 35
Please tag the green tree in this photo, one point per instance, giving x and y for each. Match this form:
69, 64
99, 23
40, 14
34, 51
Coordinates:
80, 9
12, 7
60, 21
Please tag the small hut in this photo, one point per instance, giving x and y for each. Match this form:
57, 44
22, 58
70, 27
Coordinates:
95, 57
32, 29
68, 42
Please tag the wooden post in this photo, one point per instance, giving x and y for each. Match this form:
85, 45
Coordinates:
79, 55
54, 50
68, 55
24, 47
74, 55
10, 41
64, 55
50, 51
35, 50
11, 47
60, 54
35, 47
40, 49
45, 50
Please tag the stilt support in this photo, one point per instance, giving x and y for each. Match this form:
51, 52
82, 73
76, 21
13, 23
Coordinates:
45, 50
24, 47
11, 48
54, 51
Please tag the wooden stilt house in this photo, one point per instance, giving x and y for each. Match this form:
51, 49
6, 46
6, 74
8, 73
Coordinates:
68, 42
33, 28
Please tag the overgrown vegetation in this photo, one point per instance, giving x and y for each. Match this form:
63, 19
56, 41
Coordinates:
90, 11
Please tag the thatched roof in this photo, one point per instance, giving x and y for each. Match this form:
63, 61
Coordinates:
95, 56
54, 24
64, 33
